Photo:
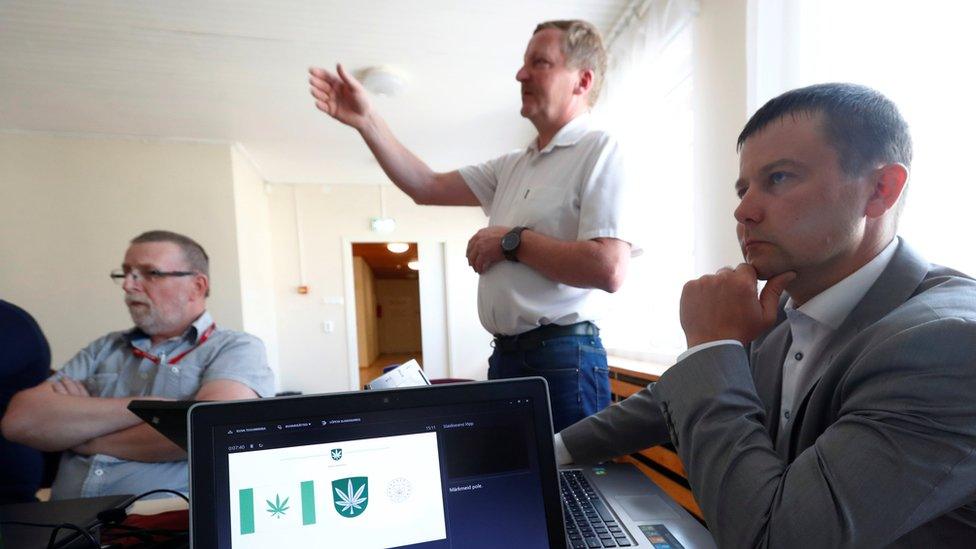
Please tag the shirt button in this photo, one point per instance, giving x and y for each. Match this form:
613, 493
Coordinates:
786, 414
798, 356
175, 369
99, 472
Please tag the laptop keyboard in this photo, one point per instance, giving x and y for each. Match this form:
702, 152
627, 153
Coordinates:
589, 523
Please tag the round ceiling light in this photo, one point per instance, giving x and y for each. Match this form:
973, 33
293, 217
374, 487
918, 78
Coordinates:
383, 80
398, 247
414, 265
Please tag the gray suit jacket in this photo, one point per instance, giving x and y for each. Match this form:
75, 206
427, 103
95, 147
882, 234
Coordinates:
883, 448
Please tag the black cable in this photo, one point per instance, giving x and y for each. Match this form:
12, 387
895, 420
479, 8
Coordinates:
113, 517
57, 528
109, 517
84, 532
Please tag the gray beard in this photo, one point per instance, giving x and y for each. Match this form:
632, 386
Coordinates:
147, 322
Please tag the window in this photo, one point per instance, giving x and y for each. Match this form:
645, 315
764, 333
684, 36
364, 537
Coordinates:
648, 108
917, 54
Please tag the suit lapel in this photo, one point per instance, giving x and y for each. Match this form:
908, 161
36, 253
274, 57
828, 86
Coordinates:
895, 286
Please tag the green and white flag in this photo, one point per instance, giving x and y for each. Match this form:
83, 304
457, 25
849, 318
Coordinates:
268, 508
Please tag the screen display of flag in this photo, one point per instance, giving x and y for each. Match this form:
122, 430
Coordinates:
374, 492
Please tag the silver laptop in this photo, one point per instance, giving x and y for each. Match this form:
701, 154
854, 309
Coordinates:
468, 465
616, 505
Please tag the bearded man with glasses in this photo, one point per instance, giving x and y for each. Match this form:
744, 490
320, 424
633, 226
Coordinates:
174, 352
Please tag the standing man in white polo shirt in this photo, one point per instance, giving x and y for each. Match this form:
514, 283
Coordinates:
557, 239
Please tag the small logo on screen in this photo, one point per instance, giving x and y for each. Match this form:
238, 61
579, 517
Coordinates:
336, 454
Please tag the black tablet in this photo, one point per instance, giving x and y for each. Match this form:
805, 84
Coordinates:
166, 416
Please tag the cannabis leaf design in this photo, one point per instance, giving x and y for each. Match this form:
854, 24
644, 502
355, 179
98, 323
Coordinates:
349, 501
278, 508
337, 454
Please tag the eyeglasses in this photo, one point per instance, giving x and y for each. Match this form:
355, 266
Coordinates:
138, 275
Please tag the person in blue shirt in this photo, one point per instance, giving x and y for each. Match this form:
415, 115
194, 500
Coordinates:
25, 361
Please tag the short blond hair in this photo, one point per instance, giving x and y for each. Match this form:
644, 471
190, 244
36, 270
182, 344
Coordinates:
583, 47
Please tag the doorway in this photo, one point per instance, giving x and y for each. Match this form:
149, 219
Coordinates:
386, 276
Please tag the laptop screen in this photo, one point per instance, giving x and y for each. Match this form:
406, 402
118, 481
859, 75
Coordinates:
438, 467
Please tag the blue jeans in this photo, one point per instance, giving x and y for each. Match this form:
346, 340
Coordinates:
575, 367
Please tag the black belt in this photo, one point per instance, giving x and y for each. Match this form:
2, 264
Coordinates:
534, 338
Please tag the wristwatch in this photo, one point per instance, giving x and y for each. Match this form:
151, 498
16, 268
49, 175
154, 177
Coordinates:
511, 242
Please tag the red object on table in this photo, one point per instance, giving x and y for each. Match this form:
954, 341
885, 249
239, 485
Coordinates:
172, 520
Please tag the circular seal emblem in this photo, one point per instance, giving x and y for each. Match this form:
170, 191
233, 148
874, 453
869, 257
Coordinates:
398, 490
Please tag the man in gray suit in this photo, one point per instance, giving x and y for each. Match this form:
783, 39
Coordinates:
837, 408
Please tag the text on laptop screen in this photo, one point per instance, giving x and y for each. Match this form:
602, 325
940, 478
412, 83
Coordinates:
432, 476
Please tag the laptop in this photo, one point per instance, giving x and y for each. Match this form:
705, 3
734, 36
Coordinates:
467, 465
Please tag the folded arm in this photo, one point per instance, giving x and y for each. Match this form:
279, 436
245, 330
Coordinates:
598, 263
143, 443
57, 415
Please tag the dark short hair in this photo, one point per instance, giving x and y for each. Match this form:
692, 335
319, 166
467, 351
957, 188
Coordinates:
583, 47
862, 125
193, 252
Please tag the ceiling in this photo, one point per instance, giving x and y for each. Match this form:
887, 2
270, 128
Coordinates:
235, 72
384, 263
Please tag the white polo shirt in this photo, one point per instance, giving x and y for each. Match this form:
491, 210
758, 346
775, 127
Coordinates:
573, 189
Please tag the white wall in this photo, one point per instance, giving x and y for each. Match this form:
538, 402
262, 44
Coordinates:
315, 361
253, 223
721, 110
68, 208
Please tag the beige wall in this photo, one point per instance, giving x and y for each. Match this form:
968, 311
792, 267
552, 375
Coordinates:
400, 323
720, 103
69, 206
253, 222
367, 330
327, 218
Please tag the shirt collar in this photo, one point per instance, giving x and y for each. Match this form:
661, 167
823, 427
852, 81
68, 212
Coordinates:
199, 326
568, 135
831, 306
192, 333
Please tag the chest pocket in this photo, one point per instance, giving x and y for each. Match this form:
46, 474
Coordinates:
182, 379
551, 211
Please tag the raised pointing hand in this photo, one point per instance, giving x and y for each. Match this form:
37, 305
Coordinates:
340, 96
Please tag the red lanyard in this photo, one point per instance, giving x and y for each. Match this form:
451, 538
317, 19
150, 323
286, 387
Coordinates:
155, 359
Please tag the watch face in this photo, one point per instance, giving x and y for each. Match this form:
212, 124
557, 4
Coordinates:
510, 241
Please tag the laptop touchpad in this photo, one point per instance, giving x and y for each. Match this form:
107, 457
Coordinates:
649, 507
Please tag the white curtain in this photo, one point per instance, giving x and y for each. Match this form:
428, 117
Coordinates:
920, 55
647, 105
